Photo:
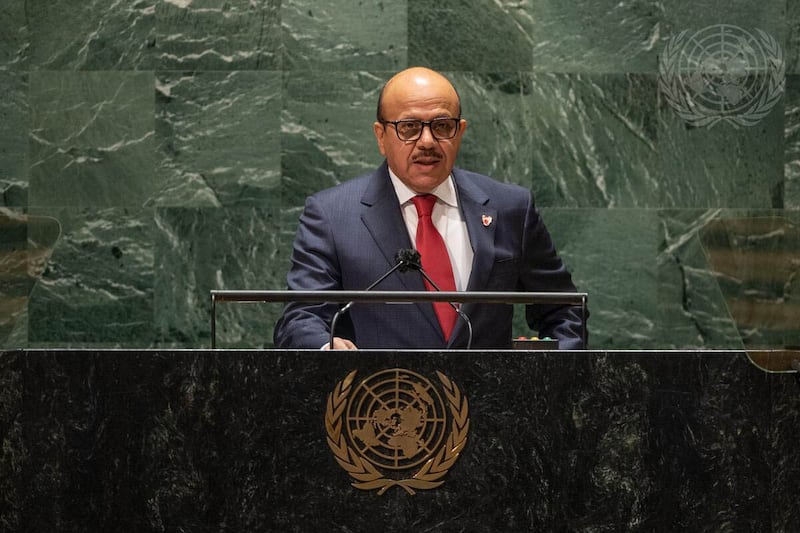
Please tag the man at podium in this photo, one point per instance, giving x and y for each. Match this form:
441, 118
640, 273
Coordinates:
472, 233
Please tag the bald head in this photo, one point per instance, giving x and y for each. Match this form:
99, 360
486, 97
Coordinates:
417, 79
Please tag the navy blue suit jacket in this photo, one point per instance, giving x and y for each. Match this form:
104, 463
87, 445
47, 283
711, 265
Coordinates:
349, 235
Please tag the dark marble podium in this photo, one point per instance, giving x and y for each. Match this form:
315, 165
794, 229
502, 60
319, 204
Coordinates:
236, 441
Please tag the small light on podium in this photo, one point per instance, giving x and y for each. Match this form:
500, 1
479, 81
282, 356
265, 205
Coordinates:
534, 343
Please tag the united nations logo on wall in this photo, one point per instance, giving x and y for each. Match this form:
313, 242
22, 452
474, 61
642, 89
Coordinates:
722, 73
396, 428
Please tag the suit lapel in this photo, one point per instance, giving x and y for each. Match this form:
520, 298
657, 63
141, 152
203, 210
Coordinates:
383, 218
385, 223
481, 221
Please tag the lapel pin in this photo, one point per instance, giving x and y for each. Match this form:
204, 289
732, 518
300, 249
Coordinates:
486, 219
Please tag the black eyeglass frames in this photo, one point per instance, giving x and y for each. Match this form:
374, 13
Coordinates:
411, 129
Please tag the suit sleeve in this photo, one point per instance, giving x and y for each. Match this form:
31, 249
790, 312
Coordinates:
314, 266
544, 271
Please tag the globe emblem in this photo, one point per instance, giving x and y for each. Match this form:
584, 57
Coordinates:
718, 63
396, 419
722, 72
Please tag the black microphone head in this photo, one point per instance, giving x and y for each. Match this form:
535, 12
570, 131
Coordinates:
409, 259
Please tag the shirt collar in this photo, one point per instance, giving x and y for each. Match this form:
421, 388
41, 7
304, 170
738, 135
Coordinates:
445, 191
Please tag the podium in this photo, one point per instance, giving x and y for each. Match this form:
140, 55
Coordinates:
201, 440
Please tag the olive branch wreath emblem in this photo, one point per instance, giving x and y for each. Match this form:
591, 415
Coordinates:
365, 474
698, 115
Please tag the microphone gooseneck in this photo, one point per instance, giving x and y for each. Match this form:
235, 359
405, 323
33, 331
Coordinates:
415, 263
405, 259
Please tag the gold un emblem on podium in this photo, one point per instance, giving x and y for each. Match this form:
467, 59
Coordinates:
396, 428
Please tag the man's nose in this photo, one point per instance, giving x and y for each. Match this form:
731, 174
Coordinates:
426, 138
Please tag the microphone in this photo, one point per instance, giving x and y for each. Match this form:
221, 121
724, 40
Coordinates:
410, 259
414, 262
405, 259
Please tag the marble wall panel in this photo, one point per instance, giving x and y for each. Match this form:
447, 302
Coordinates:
722, 165
14, 36
611, 254
498, 137
770, 16
91, 35
590, 36
91, 138
14, 120
344, 35
691, 307
15, 329
792, 37
478, 35
97, 287
201, 249
218, 134
326, 130
217, 35
791, 158
594, 140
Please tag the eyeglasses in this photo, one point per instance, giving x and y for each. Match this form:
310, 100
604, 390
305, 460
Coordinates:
411, 129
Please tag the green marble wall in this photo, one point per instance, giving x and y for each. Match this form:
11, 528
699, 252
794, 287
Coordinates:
172, 143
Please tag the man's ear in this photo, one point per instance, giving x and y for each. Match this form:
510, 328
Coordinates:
379, 131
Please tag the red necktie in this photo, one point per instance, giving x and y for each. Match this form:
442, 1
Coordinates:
435, 261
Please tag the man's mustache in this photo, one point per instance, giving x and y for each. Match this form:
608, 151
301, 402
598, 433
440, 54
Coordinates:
431, 154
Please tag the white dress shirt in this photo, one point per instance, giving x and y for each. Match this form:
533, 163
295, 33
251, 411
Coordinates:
449, 223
